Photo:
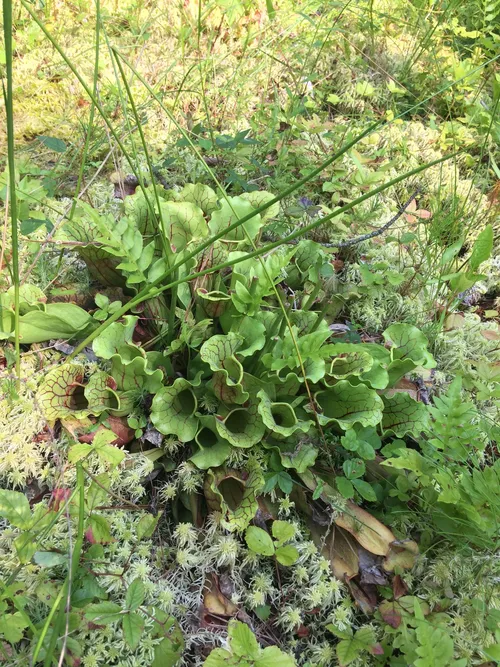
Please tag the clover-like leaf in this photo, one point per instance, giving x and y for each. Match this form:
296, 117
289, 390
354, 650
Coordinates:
347, 405
174, 409
280, 418
259, 541
230, 211
234, 494
403, 415
184, 222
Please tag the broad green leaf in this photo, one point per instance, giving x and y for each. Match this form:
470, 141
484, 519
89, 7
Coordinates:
481, 250
201, 195
349, 649
436, 646
53, 143
25, 546
174, 410
347, 405
272, 656
409, 343
259, 197
280, 418
365, 490
345, 487
98, 530
116, 338
103, 613
242, 640
167, 653
213, 451
230, 211
242, 427
282, 531
287, 555
353, 468
347, 359
403, 415
59, 320
219, 657
259, 541
14, 507
79, 451
147, 525
133, 627
135, 595
12, 627
184, 222
50, 558
233, 496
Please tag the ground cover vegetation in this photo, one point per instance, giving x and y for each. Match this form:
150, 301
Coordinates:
249, 323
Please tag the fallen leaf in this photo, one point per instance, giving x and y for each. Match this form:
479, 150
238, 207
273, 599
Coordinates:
402, 554
369, 531
215, 603
399, 588
365, 597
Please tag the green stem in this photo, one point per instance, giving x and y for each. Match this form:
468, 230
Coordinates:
148, 292
7, 31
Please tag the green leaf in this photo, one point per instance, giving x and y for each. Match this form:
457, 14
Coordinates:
52, 143
287, 555
354, 468
79, 452
403, 415
167, 653
272, 656
365, 490
133, 627
59, 320
147, 525
184, 222
347, 405
259, 197
436, 646
242, 427
219, 657
232, 210
481, 250
25, 546
492, 652
135, 594
50, 558
349, 649
99, 530
14, 507
280, 418
242, 640
102, 613
174, 409
202, 195
259, 541
409, 344
344, 486
12, 626
282, 531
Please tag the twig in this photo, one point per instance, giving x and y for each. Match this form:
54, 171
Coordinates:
370, 235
